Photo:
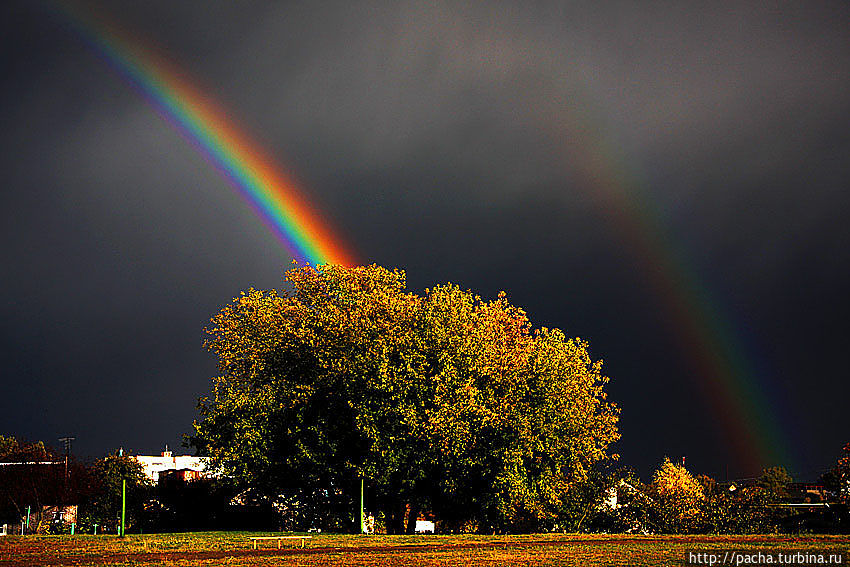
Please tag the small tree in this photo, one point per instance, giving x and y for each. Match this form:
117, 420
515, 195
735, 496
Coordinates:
775, 481
842, 475
104, 507
678, 496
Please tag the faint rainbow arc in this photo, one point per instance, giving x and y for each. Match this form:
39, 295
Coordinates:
251, 171
724, 374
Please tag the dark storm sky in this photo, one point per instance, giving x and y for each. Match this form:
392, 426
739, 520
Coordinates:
451, 140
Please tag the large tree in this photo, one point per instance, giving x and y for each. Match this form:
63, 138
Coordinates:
441, 401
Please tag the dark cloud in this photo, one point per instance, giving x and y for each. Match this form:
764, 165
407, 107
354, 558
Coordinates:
453, 140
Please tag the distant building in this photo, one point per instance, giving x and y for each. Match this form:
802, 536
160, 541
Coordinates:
190, 467
59, 514
806, 492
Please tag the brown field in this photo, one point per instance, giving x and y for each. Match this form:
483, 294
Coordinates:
234, 548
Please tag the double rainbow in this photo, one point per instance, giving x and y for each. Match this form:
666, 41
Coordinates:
750, 421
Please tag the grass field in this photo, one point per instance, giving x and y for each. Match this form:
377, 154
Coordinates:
235, 548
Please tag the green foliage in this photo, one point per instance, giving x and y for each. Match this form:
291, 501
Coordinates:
23, 485
740, 511
441, 401
116, 468
585, 506
775, 481
104, 505
677, 502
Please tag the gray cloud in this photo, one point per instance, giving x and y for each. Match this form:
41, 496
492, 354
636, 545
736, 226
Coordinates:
450, 139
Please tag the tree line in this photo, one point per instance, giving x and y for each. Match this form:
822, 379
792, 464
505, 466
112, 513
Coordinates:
439, 402
34, 481
607, 500
343, 385
674, 501
34, 477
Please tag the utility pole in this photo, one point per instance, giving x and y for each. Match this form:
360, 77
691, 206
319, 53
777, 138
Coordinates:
123, 504
123, 497
67, 442
362, 514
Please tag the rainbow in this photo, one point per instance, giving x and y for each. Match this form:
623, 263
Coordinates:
744, 409
211, 131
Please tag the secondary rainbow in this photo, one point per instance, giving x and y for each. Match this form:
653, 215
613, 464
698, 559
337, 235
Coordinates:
748, 411
240, 160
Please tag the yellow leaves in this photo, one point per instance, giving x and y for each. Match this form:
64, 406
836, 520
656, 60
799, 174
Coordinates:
443, 377
672, 479
679, 492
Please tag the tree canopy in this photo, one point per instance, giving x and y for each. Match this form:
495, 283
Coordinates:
33, 476
776, 481
25, 479
678, 496
440, 401
103, 507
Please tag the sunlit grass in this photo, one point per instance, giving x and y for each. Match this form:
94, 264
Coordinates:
235, 548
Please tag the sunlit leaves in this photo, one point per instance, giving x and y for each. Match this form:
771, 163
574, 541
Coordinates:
441, 400
678, 495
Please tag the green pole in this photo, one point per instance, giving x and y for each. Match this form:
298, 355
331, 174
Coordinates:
362, 515
28, 519
123, 504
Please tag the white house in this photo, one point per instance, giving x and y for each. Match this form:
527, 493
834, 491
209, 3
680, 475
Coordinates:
154, 465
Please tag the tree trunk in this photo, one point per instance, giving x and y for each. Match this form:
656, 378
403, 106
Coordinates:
395, 517
411, 518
